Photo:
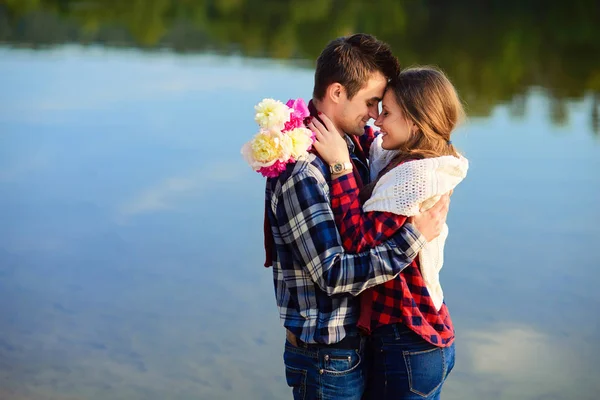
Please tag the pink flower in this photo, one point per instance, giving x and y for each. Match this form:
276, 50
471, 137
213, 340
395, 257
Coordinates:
299, 107
299, 112
274, 170
292, 124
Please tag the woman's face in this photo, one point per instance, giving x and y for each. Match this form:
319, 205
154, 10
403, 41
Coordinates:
395, 128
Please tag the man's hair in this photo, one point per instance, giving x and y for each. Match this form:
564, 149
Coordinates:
350, 61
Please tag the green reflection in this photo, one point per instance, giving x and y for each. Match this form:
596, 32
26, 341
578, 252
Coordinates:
494, 51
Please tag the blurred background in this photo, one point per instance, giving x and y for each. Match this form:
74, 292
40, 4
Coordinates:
131, 229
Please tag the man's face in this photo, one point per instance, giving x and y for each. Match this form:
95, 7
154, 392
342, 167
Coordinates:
353, 115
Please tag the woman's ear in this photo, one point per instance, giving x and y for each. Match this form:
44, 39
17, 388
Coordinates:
413, 128
334, 92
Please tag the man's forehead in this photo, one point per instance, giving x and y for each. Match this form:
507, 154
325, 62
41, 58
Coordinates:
372, 93
375, 87
368, 96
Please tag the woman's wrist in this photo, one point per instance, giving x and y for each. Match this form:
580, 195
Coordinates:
340, 174
339, 167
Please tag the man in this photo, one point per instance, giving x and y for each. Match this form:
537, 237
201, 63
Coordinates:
316, 282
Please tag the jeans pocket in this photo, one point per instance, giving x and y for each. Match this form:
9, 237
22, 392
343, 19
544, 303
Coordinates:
296, 379
340, 362
426, 370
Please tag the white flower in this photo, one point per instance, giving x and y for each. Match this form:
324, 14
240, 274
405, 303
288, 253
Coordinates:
272, 114
301, 140
267, 147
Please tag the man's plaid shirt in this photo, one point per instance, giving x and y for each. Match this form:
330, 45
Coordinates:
315, 280
404, 299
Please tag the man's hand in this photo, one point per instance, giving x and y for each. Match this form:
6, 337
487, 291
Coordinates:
430, 222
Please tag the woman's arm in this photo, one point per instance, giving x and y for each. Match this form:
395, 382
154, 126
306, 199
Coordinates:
361, 230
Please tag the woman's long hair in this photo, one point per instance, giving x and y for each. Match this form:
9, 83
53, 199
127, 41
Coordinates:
427, 98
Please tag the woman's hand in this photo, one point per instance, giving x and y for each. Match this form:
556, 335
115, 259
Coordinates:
332, 147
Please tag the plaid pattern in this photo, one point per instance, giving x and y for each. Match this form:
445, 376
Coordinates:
366, 140
404, 299
315, 280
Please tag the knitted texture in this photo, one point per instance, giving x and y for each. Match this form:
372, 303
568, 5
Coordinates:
412, 187
379, 158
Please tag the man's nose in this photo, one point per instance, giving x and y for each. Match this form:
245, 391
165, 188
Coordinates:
377, 122
374, 114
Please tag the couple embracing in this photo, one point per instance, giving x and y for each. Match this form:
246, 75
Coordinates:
355, 230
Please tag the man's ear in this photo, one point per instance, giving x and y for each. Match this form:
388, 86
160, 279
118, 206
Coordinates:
335, 92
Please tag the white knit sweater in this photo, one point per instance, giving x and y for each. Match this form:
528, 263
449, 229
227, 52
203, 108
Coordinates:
411, 187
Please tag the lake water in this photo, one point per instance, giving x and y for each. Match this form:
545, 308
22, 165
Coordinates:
131, 234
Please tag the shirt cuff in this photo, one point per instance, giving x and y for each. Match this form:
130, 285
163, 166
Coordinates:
418, 240
343, 184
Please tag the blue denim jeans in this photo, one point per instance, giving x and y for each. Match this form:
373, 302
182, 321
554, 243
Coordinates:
402, 365
325, 373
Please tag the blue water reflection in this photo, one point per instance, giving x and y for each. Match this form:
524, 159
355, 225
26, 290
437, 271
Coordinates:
131, 235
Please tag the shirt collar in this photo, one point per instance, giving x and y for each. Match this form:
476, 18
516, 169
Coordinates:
349, 142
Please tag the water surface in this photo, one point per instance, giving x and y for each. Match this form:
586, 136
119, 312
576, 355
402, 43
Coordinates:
131, 228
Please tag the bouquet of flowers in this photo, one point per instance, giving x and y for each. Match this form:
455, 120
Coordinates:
282, 137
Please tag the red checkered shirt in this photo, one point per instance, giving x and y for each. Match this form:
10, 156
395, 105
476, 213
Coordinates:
404, 299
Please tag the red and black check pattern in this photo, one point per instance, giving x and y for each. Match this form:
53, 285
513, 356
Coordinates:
403, 299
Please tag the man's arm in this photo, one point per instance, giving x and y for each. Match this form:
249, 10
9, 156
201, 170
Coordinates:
306, 223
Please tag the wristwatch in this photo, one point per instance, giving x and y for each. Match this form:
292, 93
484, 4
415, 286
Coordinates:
339, 167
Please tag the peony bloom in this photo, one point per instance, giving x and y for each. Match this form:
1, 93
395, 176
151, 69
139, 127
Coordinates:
274, 170
301, 141
266, 148
272, 114
299, 113
282, 139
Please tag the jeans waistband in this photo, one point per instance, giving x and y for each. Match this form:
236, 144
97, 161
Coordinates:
347, 343
391, 329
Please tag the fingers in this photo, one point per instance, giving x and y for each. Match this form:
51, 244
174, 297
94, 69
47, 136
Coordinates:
321, 132
447, 198
319, 137
317, 128
327, 122
439, 212
319, 125
317, 132
442, 204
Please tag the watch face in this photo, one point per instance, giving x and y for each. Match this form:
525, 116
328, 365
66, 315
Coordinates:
338, 167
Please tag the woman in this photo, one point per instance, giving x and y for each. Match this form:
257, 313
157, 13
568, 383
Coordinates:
413, 162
